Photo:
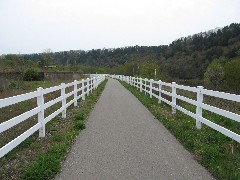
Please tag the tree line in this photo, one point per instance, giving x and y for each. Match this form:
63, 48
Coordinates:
192, 57
186, 58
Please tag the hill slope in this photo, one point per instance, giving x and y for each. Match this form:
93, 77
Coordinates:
185, 58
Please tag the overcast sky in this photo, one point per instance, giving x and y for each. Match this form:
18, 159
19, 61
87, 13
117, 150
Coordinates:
29, 26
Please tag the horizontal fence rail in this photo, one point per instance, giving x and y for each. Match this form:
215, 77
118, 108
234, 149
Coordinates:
149, 86
87, 86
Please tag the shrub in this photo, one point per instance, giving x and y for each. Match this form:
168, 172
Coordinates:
232, 69
214, 75
32, 75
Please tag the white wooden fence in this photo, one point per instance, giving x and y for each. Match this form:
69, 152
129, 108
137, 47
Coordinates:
87, 85
149, 86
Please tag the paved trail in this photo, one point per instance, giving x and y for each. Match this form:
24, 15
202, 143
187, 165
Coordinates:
124, 141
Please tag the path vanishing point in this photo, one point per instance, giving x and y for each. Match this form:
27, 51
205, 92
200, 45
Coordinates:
123, 140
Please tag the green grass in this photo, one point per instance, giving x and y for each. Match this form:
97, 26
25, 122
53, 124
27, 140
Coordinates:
218, 153
41, 159
47, 164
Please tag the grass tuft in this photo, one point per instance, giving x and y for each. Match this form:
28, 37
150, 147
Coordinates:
80, 116
80, 125
46, 164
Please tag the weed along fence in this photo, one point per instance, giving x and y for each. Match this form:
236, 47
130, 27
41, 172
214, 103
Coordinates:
80, 89
155, 89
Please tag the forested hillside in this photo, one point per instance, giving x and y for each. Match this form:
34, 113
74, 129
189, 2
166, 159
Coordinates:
185, 58
189, 57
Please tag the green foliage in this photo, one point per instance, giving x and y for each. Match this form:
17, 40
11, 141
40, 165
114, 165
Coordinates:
32, 75
223, 74
74, 68
47, 58
221, 60
101, 71
232, 73
214, 75
120, 69
11, 57
147, 70
15, 63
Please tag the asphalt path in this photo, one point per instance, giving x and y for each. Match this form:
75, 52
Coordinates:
123, 140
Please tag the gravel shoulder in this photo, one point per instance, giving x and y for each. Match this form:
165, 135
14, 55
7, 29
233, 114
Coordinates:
123, 140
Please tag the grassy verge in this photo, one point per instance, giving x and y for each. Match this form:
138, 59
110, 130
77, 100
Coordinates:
218, 153
41, 158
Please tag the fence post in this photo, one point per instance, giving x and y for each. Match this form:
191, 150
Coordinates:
94, 83
98, 80
91, 86
83, 89
75, 92
199, 107
40, 103
174, 98
88, 86
137, 83
151, 86
145, 86
140, 84
159, 90
63, 100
